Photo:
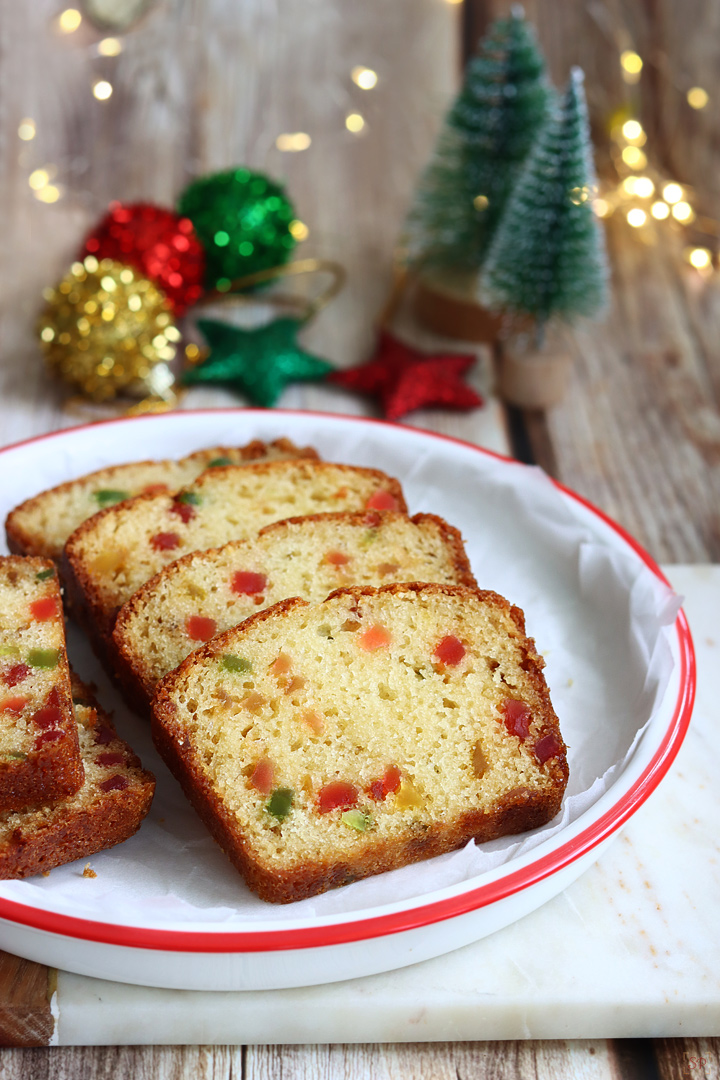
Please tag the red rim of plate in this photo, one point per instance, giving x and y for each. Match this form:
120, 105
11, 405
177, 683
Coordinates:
424, 914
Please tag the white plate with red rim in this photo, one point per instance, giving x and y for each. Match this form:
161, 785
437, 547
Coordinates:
166, 909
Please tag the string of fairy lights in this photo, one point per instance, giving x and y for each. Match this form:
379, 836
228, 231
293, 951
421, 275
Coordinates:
642, 194
43, 180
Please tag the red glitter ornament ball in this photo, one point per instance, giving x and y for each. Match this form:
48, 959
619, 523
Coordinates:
157, 241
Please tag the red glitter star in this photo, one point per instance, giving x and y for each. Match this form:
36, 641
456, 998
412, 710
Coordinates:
405, 379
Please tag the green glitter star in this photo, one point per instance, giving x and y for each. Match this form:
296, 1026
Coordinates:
260, 363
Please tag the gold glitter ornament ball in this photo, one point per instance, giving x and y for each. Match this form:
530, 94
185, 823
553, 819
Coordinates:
107, 330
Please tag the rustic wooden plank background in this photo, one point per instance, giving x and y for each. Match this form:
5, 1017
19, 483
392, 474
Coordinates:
203, 84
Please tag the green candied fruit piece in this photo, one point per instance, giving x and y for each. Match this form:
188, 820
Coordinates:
189, 498
356, 819
219, 461
108, 497
236, 664
280, 803
43, 575
9, 650
14, 755
44, 658
325, 630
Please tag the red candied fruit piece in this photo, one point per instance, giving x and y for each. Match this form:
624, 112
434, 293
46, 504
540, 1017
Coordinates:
450, 650
547, 747
263, 777
382, 500
16, 674
14, 704
114, 783
245, 581
387, 785
110, 759
337, 795
51, 736
47, 717
154, 489
45, 608
164, 541
517, 717
337, 558
375, 637
104, 735
184, 511
372, 520
200, 628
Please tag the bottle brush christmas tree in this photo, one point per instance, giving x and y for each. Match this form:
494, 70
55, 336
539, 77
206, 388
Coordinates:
486, 137
548, 254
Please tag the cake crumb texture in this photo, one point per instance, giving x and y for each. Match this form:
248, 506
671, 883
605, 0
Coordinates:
112, 554
325, 742
39, 752
207, 592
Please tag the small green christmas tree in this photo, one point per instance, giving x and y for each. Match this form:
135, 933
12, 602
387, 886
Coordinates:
548, 255
486, 137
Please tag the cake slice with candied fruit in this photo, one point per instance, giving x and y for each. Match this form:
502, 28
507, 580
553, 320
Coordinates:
39, 753
322, 743
110, 556
42, 524
207, 592
109, 807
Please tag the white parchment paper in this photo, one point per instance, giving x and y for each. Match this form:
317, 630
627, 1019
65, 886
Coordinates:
600, 618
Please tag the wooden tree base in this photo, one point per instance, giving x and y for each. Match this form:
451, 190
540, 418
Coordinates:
446, 305
532, 379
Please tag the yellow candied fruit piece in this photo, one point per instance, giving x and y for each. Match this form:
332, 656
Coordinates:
107, 562
408, 796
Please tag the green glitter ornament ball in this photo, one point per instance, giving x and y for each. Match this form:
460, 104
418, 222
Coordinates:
243, 221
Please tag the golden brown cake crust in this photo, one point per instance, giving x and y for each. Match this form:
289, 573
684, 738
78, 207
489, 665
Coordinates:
55, 769
518, 810
41, 837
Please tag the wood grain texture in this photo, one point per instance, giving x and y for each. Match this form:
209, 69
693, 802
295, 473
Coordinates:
25, 991
581, 1060
124, 1063
639, 432
678, 1059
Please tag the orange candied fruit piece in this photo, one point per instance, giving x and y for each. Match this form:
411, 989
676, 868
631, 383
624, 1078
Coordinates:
450, 650
382, 500
313, 720
14, 704
375, 637
247, 582
337, 558
263, 776
200, 628
282, 665
45, 608
154, 489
